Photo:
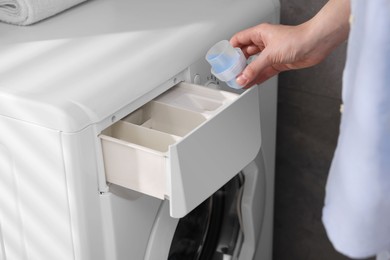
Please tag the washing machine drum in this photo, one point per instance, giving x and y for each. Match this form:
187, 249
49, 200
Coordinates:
212, 230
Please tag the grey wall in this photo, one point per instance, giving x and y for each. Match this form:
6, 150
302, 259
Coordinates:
308, 122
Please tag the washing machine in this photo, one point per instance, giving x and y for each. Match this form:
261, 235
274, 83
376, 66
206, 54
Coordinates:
116, 142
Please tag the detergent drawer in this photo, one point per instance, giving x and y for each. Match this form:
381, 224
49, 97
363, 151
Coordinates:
184, 145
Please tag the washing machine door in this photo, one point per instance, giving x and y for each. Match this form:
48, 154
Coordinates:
209, 232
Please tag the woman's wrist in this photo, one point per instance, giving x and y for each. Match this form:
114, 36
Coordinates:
330, 27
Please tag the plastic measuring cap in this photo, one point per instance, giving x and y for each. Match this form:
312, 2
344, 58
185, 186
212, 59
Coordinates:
226, 62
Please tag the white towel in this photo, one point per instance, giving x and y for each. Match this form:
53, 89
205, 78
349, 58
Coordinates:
25, 12
357, 204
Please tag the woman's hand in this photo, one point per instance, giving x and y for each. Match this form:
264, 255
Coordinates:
282, 47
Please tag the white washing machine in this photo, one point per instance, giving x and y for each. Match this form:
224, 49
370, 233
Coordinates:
117, 143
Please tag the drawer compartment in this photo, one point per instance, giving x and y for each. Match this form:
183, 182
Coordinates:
165, 118
184, 145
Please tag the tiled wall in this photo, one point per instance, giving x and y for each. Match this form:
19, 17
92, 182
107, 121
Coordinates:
308, 123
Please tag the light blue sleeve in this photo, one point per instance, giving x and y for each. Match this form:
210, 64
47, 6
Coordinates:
356, 214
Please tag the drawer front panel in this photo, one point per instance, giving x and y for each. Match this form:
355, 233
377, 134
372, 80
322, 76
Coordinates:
214, 153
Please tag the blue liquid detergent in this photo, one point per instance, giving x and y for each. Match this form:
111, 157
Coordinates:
223, 63
226, 62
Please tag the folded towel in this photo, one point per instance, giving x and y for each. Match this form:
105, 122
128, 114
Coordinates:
25, 12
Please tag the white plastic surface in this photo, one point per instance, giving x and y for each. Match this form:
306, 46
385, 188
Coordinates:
162, 234
77, 68
138, 162
34, 212
129, 218
183, 150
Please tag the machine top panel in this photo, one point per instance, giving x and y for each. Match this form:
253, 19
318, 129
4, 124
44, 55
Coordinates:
79, 67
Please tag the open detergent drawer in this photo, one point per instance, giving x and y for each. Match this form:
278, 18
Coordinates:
184, 145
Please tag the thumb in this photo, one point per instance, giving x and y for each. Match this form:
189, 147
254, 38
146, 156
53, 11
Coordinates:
254, 69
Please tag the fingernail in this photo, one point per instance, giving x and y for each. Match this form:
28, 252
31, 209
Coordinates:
242, 80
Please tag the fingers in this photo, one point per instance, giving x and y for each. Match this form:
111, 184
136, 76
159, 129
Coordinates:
250, 41
241, 39
235, 42
245, 37
254, 70
250, 50
258, 39
267, 74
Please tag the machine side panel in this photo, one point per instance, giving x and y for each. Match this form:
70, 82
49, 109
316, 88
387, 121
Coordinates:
34, 211
11, 226
84, 197
268, 103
